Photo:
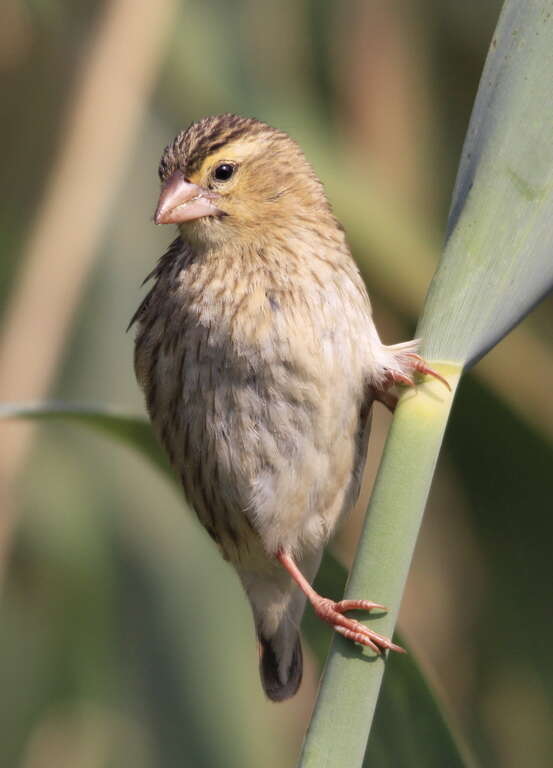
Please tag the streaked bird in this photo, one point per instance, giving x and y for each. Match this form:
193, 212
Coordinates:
260, 363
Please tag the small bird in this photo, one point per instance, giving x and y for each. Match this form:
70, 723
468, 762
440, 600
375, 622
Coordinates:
260, 362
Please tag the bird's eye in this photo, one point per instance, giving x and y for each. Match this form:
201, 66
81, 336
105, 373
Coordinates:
223, 172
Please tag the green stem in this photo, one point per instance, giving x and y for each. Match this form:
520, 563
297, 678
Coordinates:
341, 722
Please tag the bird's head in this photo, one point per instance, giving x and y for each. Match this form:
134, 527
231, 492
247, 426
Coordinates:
234, 177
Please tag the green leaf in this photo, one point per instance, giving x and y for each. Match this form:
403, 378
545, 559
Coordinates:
498, 259
179, 703
408, 706
126, 428
410, 720
340, 725
410, 725
497, 264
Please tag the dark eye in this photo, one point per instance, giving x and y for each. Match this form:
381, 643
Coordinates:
224, 171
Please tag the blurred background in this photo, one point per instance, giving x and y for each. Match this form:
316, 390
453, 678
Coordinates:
124, 638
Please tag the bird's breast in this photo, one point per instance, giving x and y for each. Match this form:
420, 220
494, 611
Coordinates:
254, 387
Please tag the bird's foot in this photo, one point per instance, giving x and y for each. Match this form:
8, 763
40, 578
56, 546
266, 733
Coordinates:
332, 613
415, 364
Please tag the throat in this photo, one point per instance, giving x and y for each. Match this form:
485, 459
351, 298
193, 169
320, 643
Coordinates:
235, 290
230, 272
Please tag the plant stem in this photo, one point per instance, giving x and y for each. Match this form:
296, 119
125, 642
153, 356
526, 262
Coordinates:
341, 722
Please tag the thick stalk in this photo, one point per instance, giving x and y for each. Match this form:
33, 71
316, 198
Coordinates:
343, 714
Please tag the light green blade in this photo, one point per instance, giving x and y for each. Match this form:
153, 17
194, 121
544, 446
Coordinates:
498, 260
409, 704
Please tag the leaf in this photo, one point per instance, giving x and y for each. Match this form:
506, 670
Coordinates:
408, 703
498, 259
126, 428
340, 725
497, 264
410, 720
410, 725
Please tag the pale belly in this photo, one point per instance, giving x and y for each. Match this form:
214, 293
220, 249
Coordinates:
269, 453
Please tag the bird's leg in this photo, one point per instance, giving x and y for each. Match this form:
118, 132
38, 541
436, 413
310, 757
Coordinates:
386, 398
332, 612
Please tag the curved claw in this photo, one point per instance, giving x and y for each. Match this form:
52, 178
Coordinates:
359, 633
398, 377
358, 605
358, 637
331, 612
421, 366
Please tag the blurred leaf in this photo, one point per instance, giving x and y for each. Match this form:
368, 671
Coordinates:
128, 429
410, 725
408, 706
508, 486
183, 707
409, 718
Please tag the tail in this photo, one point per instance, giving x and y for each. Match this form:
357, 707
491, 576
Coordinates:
278, 606
280, 682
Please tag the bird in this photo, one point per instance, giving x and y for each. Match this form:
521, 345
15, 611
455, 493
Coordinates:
260, 362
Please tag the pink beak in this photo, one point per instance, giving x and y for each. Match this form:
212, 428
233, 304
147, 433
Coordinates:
181, 201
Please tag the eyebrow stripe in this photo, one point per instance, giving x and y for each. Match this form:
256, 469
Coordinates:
207, 146
192, 146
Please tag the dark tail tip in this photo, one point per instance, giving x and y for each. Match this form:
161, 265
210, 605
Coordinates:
275, 688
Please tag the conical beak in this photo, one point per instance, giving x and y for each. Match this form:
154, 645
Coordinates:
181, 201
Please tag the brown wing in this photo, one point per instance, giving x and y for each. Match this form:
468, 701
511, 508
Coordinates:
174, 249
363, 434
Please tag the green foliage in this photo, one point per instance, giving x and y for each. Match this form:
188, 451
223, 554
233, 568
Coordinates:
121, 427
496, 265
124, 638
409, 706
497, 261
410, 720
349, 690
